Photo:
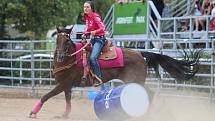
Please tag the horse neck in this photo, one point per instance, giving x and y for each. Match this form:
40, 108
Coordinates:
72, 48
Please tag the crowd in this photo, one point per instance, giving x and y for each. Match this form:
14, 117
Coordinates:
203, 8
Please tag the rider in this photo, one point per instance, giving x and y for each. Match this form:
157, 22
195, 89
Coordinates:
96, 29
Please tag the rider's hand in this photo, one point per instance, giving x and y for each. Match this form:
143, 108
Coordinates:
93, 33
83, 36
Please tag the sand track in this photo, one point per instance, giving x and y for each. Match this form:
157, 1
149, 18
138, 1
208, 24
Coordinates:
15, 106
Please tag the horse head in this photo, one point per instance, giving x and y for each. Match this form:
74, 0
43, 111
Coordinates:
63, 43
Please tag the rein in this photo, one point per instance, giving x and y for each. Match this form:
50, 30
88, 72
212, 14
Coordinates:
56, 70
78, 51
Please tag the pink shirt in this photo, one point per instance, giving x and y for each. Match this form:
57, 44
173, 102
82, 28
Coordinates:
94, 23
212, 25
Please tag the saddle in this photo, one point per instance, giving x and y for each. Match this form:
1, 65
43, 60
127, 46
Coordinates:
108, 55
108, 51
107, 46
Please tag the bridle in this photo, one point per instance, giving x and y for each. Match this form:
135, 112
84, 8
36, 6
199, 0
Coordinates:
64, 53
56, 70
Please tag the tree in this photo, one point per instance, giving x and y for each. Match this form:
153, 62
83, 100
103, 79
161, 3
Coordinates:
102, 6
42, 15
38, 16
9, 12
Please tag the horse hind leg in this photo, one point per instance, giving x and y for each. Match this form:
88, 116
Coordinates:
37, 107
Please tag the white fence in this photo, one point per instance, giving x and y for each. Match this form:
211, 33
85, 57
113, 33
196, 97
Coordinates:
28, 65
25, 64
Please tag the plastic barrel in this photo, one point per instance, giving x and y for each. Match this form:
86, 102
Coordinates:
130, 100
91, 94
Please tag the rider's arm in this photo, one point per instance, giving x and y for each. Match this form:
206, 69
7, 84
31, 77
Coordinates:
98, 21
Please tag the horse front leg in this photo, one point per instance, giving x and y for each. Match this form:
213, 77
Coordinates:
37, 107
68, 103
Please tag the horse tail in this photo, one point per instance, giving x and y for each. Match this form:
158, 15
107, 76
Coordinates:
178, 69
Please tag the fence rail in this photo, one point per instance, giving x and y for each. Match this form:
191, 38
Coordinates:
17, 69
21, 68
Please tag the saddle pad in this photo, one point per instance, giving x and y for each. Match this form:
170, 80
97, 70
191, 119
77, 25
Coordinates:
117, 61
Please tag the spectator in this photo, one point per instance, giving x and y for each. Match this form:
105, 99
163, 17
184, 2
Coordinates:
167, 12
206, 7
197, 11
213, 16
213, 8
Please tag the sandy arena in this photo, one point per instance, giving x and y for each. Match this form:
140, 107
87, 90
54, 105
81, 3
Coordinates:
15, 106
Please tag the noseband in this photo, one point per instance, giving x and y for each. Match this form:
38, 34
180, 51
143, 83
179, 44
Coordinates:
63, 34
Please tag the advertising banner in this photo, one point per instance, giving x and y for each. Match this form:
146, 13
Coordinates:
130, 18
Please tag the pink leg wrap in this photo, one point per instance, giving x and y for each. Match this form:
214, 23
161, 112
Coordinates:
37, 107
67, 109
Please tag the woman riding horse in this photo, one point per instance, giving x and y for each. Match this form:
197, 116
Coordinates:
67, 74
96, 29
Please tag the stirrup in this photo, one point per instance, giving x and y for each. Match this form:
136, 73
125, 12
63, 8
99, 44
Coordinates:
98, 83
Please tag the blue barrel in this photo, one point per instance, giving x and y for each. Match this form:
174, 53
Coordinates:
91, 94
130, 100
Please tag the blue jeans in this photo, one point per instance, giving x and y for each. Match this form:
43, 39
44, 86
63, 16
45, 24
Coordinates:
98, 44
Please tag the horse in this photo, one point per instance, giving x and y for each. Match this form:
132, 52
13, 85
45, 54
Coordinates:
67, 74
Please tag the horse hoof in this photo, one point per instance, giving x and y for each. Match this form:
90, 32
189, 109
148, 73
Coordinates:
33, 115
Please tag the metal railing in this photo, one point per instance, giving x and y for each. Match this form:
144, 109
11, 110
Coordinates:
109, 21
19, 70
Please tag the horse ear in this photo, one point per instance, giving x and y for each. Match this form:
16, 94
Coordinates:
69, 30
59, 29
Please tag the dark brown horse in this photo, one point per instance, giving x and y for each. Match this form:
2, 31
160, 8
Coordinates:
135, 69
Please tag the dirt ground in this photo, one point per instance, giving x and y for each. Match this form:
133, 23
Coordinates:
15, 106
